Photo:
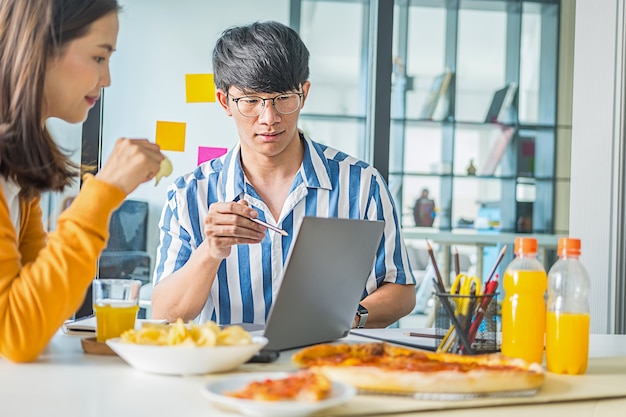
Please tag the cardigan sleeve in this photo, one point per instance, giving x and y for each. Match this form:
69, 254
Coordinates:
42, 283
33, 236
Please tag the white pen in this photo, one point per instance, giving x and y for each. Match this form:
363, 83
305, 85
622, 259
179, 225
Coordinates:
269, 226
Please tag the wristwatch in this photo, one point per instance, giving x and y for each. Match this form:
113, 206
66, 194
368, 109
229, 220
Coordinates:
361, 313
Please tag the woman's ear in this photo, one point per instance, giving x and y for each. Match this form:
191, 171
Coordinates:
222, 98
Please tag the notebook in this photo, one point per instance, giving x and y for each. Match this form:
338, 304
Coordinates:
86, 326
324, 279
426, 339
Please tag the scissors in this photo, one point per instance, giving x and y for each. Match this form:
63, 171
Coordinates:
466, 288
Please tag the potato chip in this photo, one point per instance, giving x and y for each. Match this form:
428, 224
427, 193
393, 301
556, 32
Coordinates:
233, 335
190, 334
165, 170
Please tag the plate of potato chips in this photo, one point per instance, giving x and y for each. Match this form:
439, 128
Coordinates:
186, 348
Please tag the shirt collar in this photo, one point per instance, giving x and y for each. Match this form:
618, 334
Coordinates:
314, 170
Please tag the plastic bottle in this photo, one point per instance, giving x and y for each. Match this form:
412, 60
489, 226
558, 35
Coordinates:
567, 326
524, 306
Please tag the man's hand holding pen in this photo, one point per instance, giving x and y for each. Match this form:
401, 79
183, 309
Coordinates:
228, 224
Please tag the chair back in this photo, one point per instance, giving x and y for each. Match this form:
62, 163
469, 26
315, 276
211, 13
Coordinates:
129, 227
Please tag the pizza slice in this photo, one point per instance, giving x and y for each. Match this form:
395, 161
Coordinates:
303, 385
388, 368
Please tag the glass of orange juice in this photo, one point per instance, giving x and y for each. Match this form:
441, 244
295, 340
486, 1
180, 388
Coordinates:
115, 303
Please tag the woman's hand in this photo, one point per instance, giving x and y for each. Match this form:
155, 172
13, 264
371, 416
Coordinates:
132, 162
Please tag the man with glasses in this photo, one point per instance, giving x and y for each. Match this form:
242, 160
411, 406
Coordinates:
214, 262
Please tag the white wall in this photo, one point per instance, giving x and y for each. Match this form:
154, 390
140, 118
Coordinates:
69, 137
159, 42
597, 150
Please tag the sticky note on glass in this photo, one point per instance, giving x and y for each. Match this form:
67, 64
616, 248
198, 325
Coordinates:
170, 136
206, 153
200, 88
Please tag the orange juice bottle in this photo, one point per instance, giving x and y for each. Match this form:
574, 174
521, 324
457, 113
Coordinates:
524, 307
567, 331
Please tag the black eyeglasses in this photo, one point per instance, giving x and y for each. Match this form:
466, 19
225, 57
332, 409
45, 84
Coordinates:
252, 106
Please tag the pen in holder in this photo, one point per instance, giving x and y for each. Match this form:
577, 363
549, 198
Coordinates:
472, 327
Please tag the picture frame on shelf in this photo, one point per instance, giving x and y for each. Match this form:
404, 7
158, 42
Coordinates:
501, 103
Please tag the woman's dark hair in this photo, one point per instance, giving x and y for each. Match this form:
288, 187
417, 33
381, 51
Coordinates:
266, 57
31, 32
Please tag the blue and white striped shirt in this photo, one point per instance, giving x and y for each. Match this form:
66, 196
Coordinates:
328, 184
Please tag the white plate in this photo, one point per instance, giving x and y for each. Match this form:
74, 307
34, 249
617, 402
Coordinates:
185, 360
215, 393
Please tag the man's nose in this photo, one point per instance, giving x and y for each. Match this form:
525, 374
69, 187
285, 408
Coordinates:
269, 114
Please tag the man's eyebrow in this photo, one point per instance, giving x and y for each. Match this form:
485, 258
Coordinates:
106, 46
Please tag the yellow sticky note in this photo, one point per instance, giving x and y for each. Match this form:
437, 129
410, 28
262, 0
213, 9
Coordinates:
200, 88
170, 136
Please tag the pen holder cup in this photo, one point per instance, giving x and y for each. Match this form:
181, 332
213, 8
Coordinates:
482, 337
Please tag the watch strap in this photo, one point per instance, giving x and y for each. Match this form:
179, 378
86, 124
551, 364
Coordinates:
362, 314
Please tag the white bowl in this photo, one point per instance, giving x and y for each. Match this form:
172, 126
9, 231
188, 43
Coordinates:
185, 360
340, 393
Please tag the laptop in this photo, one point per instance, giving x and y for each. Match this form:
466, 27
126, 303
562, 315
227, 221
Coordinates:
324, 279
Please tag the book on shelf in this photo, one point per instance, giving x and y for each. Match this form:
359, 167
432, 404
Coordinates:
436, 105
497, 150
525, 155
501, 104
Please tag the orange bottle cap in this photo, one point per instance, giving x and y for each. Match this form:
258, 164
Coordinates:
525, 245
568, 246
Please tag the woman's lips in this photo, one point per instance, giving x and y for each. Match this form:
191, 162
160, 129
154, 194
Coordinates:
91, 100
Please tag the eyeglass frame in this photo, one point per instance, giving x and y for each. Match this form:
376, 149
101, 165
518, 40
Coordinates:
300, 95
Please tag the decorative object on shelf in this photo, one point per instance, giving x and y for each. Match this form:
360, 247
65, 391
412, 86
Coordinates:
524, 224
424, 210
471, 168
436, 105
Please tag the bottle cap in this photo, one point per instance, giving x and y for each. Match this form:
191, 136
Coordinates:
568, 246
525, 245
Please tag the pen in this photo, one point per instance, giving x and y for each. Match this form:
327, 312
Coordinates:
269, 226
484, 304
424, 335
450, 310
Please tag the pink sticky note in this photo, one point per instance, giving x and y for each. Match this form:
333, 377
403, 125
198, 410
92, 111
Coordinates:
206, 153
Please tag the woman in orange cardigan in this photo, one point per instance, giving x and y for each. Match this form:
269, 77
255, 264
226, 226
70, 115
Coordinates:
54, 61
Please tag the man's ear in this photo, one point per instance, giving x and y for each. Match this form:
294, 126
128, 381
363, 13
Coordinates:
305, 90
222, 98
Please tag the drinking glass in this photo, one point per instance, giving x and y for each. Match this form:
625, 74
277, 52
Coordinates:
115, 303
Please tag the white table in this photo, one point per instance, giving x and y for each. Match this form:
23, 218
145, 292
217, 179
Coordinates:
67, 382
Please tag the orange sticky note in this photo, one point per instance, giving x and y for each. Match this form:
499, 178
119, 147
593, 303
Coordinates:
170, 136
200, 88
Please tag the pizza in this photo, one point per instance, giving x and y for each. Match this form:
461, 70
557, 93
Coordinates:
303, 385
384, 367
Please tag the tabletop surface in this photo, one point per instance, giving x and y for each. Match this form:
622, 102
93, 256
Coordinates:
67, 382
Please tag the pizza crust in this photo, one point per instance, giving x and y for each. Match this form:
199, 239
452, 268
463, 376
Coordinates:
361, 366
475, 382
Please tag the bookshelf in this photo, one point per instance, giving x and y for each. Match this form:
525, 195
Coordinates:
501, 107
472, 108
